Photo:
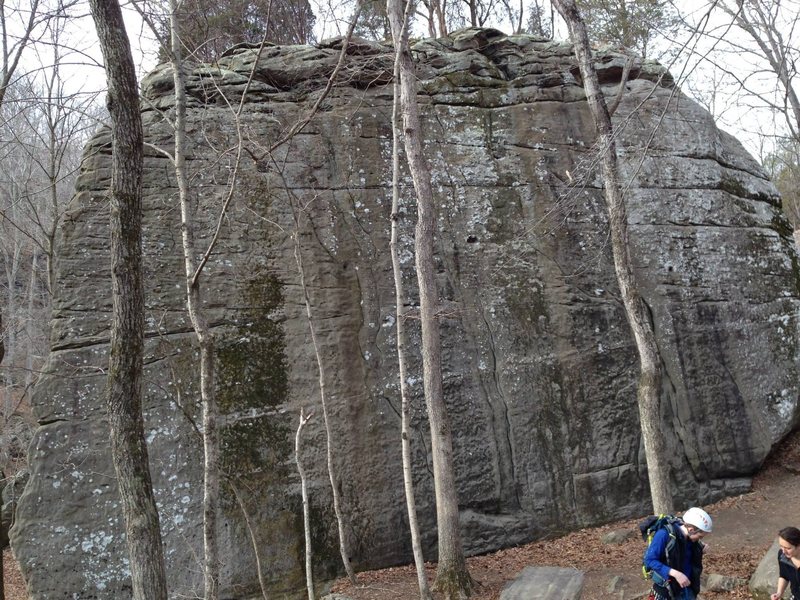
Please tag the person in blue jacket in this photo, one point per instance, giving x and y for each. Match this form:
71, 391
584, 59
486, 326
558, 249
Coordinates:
675, 557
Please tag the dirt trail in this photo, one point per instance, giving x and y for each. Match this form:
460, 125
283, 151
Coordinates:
744, 528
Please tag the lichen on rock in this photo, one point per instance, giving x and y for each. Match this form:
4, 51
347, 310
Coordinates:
539, 365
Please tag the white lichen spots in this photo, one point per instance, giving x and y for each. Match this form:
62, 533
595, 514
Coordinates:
389, 321
600, 348
185, 499
784, 405
406, 256
411, 380
367, 356
599, 291
57, 483
77, 475
153, 433
97, 542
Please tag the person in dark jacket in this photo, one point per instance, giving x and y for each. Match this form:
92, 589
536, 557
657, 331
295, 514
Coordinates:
788, 563
675, 557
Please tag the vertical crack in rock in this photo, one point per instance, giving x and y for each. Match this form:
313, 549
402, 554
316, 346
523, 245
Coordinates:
540, 365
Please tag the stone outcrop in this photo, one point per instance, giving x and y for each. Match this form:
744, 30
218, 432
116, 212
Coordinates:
762, 583
539, 365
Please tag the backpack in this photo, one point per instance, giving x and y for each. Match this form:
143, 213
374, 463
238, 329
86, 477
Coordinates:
648, 529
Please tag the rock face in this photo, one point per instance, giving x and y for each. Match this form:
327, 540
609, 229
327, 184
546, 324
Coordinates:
539, 365
762, 583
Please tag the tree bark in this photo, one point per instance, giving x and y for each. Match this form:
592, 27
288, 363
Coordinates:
402, 346
635, 308
306, 513
323, 398
452, 578
205, 338
2, 527
128, 448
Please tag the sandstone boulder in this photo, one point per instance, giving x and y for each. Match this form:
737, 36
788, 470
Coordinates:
539, 365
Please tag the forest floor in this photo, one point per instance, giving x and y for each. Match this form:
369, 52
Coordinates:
744, 528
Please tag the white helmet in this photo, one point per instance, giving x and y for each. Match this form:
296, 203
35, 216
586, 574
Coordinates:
699, 518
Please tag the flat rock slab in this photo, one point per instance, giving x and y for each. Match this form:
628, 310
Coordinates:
545, 583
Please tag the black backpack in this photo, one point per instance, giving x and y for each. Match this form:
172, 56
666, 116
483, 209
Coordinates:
648, 529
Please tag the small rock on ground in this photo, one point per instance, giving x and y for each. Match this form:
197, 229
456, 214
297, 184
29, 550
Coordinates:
545, 583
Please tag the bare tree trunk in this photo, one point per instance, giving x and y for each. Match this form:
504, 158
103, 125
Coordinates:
441, 12
30, 321
128, 448
251, 532
473, 12
211, 451
452, 577
332, 471
635, 307
3, 532
402, 345
306, 513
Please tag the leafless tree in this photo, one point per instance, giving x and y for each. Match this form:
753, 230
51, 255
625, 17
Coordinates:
771, 26
401, 314
205, 337
783, 166
539, 22
128, 448
635, 308
298, 212
452, 578
633, 24
208, 27
20, 25
337, 503
304, 418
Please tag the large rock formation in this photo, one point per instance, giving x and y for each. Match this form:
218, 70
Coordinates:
539, 365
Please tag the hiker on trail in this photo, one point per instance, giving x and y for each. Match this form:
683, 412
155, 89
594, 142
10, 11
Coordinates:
675, 557
788, 563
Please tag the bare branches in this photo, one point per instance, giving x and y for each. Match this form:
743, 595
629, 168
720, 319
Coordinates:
301, 124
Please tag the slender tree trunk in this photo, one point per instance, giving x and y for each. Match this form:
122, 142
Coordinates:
635, 308
12, 269
128, 448
402, 346
251, 532
306, 513
30, 322
442, 13
211, 451
473, 12
3, 533
332, 471
452, 577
